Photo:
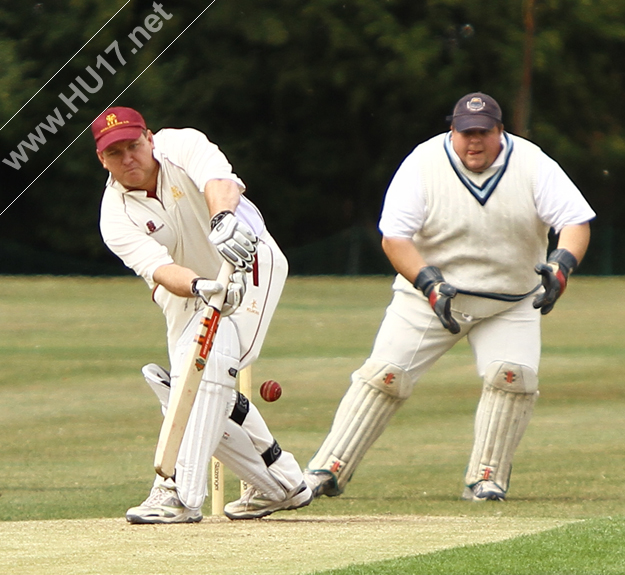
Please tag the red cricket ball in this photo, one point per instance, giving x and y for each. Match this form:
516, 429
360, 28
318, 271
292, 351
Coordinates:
270, 390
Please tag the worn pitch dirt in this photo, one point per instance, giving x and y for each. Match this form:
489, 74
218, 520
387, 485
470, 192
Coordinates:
298, 544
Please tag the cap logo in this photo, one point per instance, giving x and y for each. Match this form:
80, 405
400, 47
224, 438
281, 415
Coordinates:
112, 122
476, 105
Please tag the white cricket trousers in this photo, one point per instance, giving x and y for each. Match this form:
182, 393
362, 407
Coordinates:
412, 337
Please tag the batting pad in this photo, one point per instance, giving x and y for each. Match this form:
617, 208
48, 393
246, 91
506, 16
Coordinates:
360, 419
246, 438
213, 404
245, 449
158, 379
503, 413
204, 430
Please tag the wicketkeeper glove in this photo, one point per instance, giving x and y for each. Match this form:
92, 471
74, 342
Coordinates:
439, 293
554, 275
234, 240
205, 288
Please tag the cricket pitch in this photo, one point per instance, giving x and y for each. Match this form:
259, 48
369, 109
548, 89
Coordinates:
288, 545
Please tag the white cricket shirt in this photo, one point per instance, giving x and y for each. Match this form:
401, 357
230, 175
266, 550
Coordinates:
147, 233
558, 201
486, 231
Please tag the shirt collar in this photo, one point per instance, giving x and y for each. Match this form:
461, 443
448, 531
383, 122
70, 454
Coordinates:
499, 160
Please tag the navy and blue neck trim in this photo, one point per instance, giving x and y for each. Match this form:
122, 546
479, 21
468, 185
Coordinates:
483, 192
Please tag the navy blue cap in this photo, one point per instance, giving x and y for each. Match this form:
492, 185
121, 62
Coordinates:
476, 111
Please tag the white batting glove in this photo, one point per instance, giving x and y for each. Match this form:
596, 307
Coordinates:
204, 288
234, 240
235, 291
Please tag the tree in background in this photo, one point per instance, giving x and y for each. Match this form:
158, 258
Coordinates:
316, 103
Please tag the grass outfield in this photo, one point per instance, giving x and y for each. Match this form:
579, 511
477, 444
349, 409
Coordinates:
78, 428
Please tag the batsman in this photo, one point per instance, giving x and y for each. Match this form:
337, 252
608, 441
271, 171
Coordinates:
465, 224
174, 212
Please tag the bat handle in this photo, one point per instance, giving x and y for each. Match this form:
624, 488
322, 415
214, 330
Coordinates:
223, 277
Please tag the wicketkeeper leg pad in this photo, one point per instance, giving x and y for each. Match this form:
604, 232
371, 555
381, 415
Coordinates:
503, 413
377, 391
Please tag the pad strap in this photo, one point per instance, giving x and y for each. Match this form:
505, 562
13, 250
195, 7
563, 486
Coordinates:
271, 455
241, 409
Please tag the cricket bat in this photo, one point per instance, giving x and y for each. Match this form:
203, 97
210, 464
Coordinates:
183, 396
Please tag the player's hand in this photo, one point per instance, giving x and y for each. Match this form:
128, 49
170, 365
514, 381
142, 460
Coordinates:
554, 275
235, 291
234, 240
439, 293
205, 288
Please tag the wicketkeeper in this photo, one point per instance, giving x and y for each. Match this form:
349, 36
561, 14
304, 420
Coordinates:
465, 224
173, 211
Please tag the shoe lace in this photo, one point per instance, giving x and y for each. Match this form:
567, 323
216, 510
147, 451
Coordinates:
249, 494
159, 495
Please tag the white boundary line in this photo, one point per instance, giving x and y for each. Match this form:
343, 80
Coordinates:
109, 105
63, 66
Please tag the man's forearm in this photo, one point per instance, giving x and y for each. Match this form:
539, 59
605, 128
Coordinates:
404, 257
175, 279
575, 239
221, 195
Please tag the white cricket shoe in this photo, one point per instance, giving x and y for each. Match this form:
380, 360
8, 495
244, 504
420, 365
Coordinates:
484, 491
163, 506
253, 504
321, 483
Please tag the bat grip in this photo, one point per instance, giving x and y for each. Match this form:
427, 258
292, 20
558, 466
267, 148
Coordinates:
223, 277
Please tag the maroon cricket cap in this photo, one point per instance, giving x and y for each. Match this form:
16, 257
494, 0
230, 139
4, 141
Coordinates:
117, 124
476, 111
